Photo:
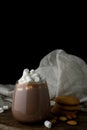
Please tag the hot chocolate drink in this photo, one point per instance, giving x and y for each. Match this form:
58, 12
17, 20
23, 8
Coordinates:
31, 101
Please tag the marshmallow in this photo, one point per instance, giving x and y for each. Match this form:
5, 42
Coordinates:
5, 107
48, 124
30, 77
1, 110
25, 78
21, 80
32, 71
34, 75
52, 103
25, 72
36, 79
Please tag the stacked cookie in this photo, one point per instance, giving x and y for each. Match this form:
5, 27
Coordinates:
66, 106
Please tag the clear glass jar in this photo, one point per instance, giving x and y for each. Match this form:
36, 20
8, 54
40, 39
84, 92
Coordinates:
31, 102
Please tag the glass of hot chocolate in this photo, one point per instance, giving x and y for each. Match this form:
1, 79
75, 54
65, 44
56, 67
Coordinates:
31, 101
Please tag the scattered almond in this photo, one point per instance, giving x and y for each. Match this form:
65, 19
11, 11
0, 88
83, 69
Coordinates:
71, 122
62, 118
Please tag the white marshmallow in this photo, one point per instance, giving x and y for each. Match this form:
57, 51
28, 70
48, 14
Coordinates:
25, 79
30, 76
28, 79
34, 75
32, 71
5, 107
1, 110
21, 80
25, 72
36, 79
52, 103
48, 124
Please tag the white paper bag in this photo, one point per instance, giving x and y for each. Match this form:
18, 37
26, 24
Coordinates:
65, 74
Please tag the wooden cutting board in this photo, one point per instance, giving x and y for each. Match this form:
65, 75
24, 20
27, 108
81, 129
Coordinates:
7, 122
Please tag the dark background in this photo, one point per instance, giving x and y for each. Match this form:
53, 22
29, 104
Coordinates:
26, 36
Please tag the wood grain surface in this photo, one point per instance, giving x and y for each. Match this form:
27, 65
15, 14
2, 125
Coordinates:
7, 122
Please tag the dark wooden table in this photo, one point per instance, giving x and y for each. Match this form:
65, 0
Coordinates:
7, 122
